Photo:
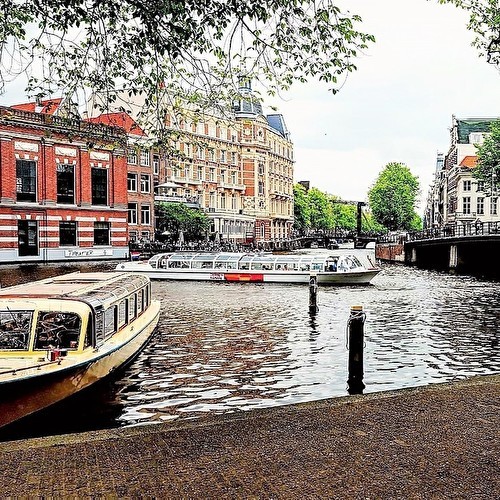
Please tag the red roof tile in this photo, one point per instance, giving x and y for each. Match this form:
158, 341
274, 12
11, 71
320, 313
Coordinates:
469, 161
121, 119
48, 106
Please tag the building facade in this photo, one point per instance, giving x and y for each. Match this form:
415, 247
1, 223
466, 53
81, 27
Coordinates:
63, 191
237, 167
143, 166
456, 197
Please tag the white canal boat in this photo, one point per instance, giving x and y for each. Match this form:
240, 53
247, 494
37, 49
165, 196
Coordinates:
62, 334
337, 267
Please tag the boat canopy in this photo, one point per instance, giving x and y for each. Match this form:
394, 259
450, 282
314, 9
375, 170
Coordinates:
255, 261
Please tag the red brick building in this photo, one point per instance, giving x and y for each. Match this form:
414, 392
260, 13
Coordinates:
142, 167
63, 186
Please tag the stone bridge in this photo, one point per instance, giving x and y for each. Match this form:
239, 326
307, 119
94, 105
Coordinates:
465, 249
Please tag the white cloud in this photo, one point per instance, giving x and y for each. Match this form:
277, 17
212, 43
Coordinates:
398, 106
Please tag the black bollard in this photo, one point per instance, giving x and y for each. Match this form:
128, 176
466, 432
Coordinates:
355, 345
313, 294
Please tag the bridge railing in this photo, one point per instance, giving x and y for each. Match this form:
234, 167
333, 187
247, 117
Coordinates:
456, 230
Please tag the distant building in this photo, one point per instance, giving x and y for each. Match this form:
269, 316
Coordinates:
63, 191
456, 196
237, 167
268, 166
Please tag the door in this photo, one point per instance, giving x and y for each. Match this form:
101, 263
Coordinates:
27, 231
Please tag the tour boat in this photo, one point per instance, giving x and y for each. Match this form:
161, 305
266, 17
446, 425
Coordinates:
61, 334
338, 267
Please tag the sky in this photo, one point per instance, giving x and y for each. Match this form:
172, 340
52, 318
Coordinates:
398, 105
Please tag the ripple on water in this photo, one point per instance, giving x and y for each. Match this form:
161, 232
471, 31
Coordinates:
234, 347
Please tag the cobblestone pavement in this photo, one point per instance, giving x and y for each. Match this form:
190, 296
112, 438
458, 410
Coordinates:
441, 441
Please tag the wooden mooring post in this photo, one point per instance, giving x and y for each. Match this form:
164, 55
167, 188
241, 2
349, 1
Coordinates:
355, 345
313, 294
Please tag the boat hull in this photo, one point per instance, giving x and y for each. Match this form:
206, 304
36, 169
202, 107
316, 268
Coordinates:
30, 393
325, 278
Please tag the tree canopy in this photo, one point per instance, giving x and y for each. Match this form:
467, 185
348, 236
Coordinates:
187, 49
393, 197
488, 160
484, 21
317, 210
176, 217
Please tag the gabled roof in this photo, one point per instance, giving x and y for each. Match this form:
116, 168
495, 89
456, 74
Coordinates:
120, 119
48, 106
469, 161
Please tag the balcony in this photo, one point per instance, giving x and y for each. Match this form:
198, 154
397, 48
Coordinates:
189, 201
230, 185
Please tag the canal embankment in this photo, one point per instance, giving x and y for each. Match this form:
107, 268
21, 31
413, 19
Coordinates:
437, 441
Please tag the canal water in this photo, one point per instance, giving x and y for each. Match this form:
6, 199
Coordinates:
223, 348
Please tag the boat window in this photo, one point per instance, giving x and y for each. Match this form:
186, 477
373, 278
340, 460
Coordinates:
132, 311
244, 262
202, 262
110, 316
99, 327
140, 301
347, 262
159, 260
318, 264
122, 313
57, 329
228, 261
286, 266
305, 265
180, 260
182, 264
15, 327
331, 264
147, 295
264, 262
88, 335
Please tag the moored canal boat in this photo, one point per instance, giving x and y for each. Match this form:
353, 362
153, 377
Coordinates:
62, 334
338, 267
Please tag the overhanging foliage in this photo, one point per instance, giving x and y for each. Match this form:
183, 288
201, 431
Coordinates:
191, 50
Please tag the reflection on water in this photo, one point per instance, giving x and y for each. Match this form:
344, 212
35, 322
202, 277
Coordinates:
230, 347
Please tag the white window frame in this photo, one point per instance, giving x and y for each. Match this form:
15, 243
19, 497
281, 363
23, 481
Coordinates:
156, 164
132, 214
132, 179
145, 215
145, 183
480, 206
132, 157
144, 158
466, 205
494, 206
